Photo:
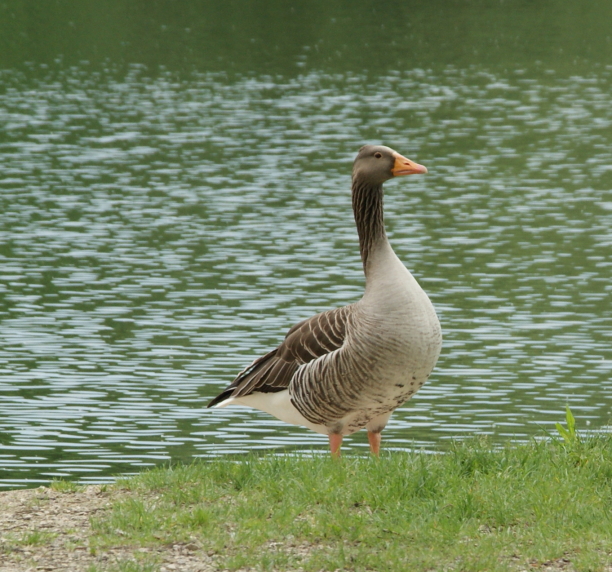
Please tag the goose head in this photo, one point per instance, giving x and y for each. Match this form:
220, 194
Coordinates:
376, 164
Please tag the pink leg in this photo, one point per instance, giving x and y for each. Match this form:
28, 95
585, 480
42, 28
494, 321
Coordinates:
374, 439
335, 442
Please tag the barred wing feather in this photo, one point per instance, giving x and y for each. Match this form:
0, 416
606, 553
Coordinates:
304, 342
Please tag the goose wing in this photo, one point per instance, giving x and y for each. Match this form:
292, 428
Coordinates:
304, 342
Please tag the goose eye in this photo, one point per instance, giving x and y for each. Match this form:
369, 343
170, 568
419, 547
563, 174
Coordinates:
378, 155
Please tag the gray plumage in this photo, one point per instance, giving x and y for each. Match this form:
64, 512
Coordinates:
350, 367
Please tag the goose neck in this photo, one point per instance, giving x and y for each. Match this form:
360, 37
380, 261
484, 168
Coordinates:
369, 218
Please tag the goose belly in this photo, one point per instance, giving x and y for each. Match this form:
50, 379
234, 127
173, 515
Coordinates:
402, 339
385, 392
383, 364
347, 390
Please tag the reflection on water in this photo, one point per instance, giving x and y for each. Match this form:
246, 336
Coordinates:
157, 234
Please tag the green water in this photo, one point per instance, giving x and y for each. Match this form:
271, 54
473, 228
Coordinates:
175, 194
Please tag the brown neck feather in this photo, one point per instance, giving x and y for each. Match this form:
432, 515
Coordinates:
368, 211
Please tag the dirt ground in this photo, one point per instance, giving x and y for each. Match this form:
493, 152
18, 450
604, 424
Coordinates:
43, 530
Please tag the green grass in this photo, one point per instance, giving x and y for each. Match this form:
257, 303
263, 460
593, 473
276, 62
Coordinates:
30, 539
63, 486
471, 509
125, 566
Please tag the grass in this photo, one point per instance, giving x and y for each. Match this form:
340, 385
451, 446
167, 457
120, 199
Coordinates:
63, 486
475, 508
31, 539
125, 566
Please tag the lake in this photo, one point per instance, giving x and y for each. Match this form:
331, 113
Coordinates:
175, 194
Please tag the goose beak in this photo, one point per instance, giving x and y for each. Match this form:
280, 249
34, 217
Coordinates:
403, 166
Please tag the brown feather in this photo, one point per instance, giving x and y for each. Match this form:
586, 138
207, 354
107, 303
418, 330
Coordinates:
304, 342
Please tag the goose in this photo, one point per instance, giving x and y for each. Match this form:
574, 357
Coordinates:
351, 367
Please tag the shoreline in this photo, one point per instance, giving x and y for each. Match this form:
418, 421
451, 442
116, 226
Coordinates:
541, 506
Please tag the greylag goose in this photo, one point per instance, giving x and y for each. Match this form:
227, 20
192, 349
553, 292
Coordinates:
351, 367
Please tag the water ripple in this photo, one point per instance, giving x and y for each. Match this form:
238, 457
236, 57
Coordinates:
159, 234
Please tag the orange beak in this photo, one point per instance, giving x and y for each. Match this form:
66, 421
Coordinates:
403, 166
